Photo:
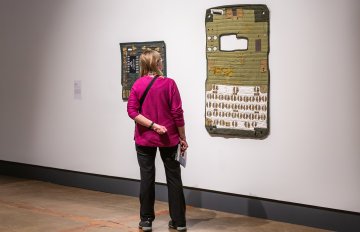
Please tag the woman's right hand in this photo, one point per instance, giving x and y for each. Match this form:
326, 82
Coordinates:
159, 129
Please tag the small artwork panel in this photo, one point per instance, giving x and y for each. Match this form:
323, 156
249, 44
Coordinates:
237, 83
130, 66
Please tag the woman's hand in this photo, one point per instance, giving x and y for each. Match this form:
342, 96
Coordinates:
183, 145
159, 129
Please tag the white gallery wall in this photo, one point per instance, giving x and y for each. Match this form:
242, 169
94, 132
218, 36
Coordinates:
312, 155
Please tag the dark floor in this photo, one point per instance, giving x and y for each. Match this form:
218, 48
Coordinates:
29, 205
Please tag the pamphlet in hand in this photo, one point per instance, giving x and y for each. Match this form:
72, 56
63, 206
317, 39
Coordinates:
181, 157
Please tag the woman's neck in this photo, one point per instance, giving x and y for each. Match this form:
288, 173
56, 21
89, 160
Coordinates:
151, 74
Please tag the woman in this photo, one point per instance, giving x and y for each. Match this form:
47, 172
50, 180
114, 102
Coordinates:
159, 124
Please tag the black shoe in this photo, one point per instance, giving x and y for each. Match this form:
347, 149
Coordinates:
145, 225
180, 227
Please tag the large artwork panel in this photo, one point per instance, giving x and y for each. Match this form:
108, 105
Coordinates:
130, 69
237, 84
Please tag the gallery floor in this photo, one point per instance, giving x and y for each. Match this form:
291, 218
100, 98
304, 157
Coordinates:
30, 205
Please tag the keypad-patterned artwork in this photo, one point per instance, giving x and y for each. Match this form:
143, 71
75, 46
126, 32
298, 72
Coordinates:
130, 68
237, 84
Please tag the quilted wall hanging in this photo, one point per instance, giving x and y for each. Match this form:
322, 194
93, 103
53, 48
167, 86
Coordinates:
237, 83
130, 65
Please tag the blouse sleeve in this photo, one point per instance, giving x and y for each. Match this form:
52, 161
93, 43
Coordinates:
133, 104
176, 106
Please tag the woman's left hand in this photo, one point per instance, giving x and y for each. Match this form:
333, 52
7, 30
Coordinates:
183, 145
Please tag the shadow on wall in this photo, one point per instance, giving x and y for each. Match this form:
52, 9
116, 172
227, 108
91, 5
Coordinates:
256, 209
193, 197
231, 203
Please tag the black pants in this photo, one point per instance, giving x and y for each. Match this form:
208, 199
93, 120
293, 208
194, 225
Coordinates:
146, 158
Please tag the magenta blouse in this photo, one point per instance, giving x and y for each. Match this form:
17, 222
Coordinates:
162, 105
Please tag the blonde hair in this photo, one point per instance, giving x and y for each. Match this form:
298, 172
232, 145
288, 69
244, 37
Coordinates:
149, 63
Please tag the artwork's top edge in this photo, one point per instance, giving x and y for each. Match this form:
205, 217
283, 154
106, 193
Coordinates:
145, 42
245, 6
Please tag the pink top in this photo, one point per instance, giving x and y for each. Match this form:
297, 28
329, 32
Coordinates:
162, 105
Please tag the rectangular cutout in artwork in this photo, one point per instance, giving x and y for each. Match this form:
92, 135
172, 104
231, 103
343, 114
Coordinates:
237, 83
232, 43
130, 66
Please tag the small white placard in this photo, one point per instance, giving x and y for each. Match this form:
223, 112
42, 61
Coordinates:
77, 89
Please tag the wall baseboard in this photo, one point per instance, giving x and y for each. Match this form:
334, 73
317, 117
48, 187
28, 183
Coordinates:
324, 218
